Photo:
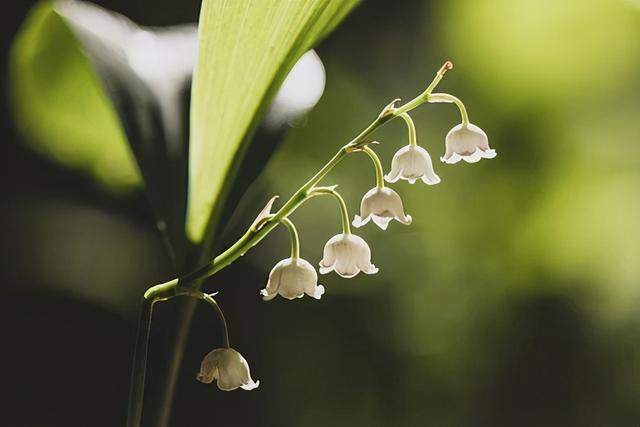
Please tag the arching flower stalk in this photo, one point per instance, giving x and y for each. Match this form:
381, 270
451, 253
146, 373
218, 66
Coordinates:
345, 253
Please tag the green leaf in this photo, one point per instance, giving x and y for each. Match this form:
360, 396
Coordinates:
60, 106
246, 50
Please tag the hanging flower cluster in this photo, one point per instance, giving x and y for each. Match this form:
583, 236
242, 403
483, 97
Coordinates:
345, 253
348, 254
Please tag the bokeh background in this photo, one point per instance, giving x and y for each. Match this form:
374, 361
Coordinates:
512, 299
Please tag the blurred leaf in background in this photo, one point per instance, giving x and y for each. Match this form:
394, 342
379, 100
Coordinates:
131, 79
61, 105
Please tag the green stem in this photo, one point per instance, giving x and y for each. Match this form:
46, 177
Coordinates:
162, 292
167, 387
377, 165
445, 97
413, 140
251, 238
344, 214
194, 293
213, 303
424, 96
254, 236
138, 374
293, 234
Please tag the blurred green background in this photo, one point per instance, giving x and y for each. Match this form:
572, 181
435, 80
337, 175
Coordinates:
512, 299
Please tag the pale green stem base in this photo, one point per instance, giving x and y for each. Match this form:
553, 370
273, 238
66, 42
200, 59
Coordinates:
295, 240
411, 127
344, 213
445, 97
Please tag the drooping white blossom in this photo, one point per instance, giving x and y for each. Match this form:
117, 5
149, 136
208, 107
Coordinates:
292, 278
381, 205
411, 163
467, 142
228, 368
348, 255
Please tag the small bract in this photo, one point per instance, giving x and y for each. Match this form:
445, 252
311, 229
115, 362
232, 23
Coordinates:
292, 278
228, 368
348, 255
411, 163
467, 142
381, 204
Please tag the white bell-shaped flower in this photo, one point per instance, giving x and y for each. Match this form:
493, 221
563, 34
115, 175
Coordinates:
467, 142
292, 278
411, 163
381, 204
228, 368
348, 255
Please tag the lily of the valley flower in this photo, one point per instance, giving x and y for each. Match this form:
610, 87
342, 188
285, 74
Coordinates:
228, 368
292, 278
411, 163
348, 255
467, 142
382, 205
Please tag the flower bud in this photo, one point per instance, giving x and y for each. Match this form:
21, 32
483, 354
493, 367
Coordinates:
467, 142
381, 205
292, 278
228, 368
347, 254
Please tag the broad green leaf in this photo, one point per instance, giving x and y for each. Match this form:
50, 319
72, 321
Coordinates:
300, 92
246, 50
60, 105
